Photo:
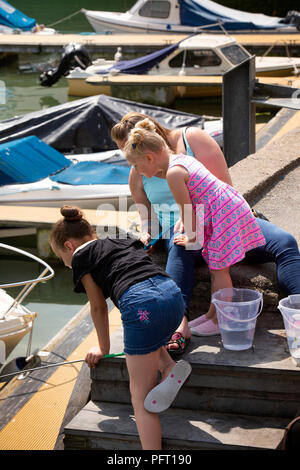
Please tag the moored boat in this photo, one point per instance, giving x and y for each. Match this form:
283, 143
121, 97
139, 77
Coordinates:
187, 16
13, 21
15, 319
200, 55
71, 157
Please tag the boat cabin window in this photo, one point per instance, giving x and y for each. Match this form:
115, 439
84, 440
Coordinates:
197, 58
155, 9
235, 54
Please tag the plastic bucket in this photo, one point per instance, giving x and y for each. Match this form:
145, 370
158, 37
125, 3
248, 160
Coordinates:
290, 310
237, 311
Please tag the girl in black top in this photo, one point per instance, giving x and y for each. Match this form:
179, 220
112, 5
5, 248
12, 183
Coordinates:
151, 307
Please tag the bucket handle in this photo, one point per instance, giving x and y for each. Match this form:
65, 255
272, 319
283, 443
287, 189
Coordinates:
286, 318
294, 298
214, 301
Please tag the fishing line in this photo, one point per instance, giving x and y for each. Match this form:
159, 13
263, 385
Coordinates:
56, 364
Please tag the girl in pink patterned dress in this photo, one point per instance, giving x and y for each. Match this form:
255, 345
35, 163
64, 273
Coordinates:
220, 220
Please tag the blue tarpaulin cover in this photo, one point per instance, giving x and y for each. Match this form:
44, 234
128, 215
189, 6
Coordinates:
10, 16
93, 173
143, 64
28, 160
205, 12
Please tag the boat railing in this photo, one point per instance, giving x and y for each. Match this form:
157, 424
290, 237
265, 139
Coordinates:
286, 46
28, 285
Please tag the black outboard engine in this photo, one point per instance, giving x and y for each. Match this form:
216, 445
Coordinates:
74, 55
293, 18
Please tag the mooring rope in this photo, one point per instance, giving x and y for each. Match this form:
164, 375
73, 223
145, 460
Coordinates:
63, 19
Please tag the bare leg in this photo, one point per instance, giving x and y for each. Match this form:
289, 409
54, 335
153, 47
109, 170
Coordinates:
143, 370
166, 363
220, 279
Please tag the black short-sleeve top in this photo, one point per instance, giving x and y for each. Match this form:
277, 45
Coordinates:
114, 264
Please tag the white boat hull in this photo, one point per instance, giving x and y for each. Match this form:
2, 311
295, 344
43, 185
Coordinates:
48, 194
122, 23
14, 326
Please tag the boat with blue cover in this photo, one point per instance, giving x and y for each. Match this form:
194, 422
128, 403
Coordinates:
13, 21
44, 159
187, 16
199, 55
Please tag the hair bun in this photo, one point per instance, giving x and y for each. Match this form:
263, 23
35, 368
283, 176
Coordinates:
146, 124
71, 213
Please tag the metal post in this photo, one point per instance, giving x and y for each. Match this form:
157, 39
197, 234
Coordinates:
239, 111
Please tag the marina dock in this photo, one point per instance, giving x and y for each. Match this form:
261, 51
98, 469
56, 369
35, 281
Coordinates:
163, 89
104, 43
229, 402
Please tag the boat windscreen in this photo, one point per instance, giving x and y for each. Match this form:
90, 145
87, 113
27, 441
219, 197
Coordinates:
235, 53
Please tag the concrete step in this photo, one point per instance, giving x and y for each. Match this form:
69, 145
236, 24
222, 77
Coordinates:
261, 381
110, 426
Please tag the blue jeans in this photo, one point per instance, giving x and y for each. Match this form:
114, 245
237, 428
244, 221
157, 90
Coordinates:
281, 248
151, 310
181, 267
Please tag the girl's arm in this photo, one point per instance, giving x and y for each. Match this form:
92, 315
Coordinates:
99, 313
177, 177
208, 152
143, 204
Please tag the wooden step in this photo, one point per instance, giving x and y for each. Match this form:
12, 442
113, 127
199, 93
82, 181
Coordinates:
261, 381
112, 426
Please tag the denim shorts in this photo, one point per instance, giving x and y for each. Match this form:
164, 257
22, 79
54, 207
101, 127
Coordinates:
151, 311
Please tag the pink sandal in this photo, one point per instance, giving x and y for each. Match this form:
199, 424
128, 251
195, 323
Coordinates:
208, 328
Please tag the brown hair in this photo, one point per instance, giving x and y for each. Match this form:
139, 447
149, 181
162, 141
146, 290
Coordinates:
120, 131
73, 225
143, 138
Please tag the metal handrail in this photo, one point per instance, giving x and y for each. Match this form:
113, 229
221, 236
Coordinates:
29, 284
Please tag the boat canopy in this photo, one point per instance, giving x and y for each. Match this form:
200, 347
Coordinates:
84, 125
13, 18
206, 12
91, 172
28, 160
143, 64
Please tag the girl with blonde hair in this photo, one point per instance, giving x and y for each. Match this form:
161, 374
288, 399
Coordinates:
228, 226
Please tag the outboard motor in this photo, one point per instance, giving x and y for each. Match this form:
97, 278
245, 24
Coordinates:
293, 18
74, 55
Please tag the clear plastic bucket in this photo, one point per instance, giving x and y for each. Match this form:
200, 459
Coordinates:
290, 310
237, 311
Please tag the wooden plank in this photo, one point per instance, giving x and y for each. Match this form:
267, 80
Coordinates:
18, 42
45, 217
177, 80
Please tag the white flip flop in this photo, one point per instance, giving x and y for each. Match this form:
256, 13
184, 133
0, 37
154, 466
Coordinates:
162, 396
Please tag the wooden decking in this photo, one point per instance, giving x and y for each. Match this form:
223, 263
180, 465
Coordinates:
101, 42
177, 80
45, 217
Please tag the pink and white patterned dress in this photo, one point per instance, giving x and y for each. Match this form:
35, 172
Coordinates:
230, 228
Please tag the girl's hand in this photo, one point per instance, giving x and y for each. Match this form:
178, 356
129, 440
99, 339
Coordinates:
145, 239
181, 240
178, 227
184, 240
93, 356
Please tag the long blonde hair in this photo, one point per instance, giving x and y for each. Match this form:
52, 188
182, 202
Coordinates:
143, 138
121, 130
